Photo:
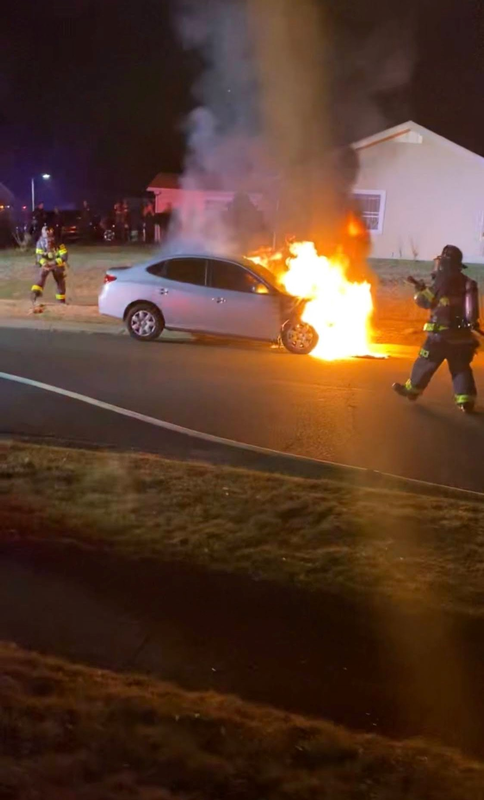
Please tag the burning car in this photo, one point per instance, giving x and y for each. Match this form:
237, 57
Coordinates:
233, 298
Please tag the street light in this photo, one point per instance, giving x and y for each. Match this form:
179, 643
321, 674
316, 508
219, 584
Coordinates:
45, 176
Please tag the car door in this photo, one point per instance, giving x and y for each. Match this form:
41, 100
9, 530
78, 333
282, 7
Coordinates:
245, 305
179, 289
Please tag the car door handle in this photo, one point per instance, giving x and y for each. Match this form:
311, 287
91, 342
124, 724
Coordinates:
219, 299
163, 291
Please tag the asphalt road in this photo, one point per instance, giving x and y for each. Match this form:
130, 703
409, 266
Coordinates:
343, 411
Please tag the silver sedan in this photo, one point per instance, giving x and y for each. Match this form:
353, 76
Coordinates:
206, 295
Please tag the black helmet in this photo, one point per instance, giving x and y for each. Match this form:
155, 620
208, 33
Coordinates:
452, 256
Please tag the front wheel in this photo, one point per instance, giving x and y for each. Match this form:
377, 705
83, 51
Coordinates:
298, 337
144, 322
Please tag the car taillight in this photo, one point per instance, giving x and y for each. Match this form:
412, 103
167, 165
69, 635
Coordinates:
109, 278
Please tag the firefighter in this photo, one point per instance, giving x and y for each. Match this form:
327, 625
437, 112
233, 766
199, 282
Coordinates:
453, 301
51, 258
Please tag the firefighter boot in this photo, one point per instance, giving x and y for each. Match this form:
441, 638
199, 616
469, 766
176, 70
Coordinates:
404, 391
467, 407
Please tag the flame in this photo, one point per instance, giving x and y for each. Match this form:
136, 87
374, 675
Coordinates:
338, 309
355, 227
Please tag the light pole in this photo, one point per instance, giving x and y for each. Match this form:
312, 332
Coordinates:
45, 177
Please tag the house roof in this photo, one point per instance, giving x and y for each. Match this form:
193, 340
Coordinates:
210, 182
165, 180
413, 132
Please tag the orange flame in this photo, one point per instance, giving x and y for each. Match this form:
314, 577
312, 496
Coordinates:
338, 309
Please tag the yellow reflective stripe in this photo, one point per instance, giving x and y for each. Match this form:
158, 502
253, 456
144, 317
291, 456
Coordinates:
411, 388
464, 398
39, 251
59, 261
36, 288
444, 301
43, 262
432, 327
60, 297
428, 294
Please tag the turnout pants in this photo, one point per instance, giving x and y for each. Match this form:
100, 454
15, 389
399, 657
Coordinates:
458, 354
59, 274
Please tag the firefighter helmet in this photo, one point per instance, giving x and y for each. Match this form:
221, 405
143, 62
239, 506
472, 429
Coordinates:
452, 255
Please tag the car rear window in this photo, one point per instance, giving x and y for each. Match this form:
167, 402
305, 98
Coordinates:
186, 270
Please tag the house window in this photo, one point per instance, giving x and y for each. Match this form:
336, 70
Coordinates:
372, 207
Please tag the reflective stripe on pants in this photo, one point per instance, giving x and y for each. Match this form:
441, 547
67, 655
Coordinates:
59, 274
458, 355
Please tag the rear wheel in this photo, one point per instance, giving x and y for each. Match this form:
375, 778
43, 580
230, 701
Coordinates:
298, 337
144, 322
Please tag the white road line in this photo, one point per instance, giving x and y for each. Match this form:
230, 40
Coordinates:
209, 437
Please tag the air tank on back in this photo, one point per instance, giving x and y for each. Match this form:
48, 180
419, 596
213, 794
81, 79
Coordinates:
471, 303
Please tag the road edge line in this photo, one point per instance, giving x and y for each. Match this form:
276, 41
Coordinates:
233, 443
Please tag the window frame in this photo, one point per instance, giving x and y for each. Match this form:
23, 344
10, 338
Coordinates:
381, 212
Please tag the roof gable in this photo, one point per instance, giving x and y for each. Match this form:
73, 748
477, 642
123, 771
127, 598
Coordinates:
164, 180
412, 132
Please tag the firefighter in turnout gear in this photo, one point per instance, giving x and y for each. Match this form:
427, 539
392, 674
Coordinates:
51, 258
453, 301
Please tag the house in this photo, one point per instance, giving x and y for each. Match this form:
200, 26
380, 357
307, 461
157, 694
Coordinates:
209, 197
419, 191
168, 192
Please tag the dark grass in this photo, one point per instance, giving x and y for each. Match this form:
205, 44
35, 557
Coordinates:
312, 534
70, 732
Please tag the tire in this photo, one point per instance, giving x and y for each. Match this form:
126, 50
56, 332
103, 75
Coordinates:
108, 235
144, 322
298, 337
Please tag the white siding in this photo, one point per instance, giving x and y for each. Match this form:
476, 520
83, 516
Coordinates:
434, 195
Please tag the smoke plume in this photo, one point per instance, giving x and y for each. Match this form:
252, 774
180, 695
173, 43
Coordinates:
271, 97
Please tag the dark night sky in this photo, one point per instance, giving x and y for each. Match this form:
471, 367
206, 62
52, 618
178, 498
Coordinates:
95, 91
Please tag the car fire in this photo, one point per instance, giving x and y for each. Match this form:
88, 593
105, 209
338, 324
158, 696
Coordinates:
340, 310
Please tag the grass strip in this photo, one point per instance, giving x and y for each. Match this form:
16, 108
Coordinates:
319, 535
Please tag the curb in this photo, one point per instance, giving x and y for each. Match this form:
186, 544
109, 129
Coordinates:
80, 327
43, 324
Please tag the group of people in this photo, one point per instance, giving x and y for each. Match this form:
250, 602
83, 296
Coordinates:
41, 218
125, 222
138, 220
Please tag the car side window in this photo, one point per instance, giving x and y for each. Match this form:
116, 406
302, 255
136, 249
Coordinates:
230, 276
157, 269
183, 270
186, 270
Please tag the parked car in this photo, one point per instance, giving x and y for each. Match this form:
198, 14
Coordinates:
71, 226
205, 294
